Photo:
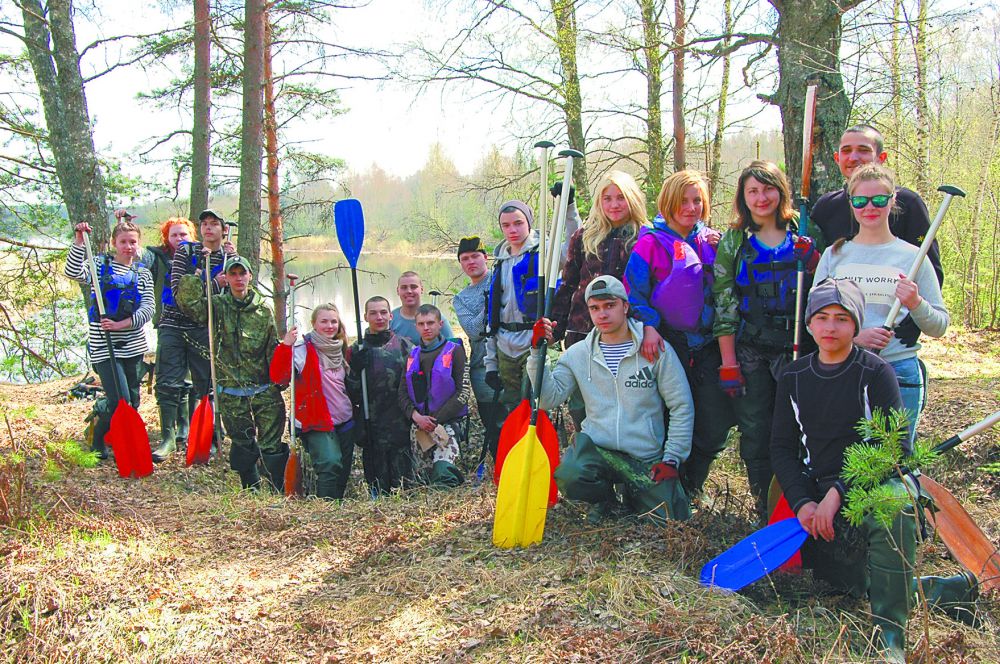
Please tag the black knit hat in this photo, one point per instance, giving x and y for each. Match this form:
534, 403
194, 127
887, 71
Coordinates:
474, 243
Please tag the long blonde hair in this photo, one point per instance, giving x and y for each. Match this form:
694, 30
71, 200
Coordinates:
599, 226
672, 193
341, 334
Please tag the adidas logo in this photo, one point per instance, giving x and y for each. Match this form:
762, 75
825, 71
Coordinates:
641, 379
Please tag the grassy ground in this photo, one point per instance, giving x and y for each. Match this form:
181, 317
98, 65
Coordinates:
181, 566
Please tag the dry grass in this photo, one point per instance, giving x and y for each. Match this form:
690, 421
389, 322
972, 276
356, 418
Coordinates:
183, 567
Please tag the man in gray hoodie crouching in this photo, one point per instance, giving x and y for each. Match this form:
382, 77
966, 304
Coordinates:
623, 438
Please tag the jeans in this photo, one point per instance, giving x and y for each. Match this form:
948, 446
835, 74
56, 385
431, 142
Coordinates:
911, 388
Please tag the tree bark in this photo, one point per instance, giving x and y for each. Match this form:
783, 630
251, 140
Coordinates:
715, 171
654, 89
251, 144
200, 132
809, 36
64, 103
564, 12
273, 190
680, 134
923, 109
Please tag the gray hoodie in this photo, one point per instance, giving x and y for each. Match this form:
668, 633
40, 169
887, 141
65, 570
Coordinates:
624, 413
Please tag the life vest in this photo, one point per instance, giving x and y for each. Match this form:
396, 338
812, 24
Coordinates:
121, 292
681, 278
167, 297
766, 282
525, 274
429, 393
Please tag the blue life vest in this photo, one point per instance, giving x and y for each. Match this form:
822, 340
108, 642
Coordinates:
766, 282
525, 274
121, 292
430, 393
167, 297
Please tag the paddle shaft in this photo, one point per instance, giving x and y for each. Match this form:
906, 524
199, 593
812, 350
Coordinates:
925, 246
974, 430
211, 337
291, 383
361, 345
543, 173
95, 279
808, 118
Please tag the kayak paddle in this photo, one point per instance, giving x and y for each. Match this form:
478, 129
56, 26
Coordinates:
202, 431
293, 469
754, 556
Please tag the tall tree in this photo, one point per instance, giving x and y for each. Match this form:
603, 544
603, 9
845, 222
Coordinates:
652, 51
202, 111
273, 189
252, 136
715, 169
680, 21
564, 13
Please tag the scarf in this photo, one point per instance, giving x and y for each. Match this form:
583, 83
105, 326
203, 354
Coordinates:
329, 349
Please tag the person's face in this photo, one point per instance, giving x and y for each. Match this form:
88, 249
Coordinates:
211, 229
870, 216
429, 326
607, 314
832, 328
239, 281
762, 199
614, 205
327, 323
127, 245
473, 263
856, 149
691, 208
409, 291
378, 316
515, 228
178, 233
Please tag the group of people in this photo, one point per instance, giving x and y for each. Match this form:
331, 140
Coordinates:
673, 333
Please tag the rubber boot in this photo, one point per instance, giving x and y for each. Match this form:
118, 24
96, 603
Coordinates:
891, 555
759, 477
244, 461
694, 472
274, 467
167, 399
954, 595
183, 419
445, 474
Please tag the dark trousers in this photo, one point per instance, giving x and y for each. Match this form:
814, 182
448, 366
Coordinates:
127, 369
325, 451
179, 352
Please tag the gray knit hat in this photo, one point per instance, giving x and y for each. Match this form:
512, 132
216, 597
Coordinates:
518, 205
843, 292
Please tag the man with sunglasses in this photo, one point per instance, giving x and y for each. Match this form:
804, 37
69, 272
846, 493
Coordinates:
909, 221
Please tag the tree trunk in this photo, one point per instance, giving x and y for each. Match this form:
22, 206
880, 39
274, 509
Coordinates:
715, 173
680, 157
564, 12
200, 137
64, 102
273, 198
971, 312
251, 144
654, 89
895, 71
809, 35
923, 109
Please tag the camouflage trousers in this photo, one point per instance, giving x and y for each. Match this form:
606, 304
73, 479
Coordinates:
437, 465
254, 423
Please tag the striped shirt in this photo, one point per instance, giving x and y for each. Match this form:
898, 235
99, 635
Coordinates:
182, 264
614, 354
127, 343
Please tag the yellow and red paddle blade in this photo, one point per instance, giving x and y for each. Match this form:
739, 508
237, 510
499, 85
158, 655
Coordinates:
523, 495
130, 441
962, 536
201, 432
550, 443
779, 510
293, 476
513, 430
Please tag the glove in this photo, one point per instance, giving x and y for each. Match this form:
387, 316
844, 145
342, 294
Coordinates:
731, 381
907, 332
556, 190
537, 333
805, 251
359, 359
493, 379
665, 470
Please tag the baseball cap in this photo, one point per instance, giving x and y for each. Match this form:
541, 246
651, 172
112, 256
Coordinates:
210, 213
474, 243
234, 261
843, 292
605, 287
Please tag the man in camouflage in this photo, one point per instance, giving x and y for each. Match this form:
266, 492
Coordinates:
245, 338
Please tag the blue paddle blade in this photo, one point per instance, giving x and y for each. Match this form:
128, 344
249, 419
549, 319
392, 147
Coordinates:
350, 223
754, 556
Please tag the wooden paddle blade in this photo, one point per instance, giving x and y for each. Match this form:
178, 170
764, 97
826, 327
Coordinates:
513, 430
963, 538
779, 510
293, 476
549, 439
754, 556
349, 220
201, 432
522, 499
130, 441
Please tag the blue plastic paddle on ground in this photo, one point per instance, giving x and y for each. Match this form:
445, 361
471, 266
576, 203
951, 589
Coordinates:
754, 556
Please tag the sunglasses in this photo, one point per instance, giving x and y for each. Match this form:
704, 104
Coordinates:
879, 201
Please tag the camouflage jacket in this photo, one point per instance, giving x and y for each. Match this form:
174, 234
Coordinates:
245, 335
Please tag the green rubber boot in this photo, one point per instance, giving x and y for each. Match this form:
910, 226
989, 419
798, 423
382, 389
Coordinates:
183, 419
891, 556
445, 474
168, 399
274, 467
953, 595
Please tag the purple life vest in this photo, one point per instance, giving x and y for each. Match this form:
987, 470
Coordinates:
681, 278
438, 387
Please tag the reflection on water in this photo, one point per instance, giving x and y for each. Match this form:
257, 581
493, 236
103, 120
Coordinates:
377, 275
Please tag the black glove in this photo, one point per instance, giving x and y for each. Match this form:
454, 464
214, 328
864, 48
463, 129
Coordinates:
493, 379
557, 190
907, 332
359, 359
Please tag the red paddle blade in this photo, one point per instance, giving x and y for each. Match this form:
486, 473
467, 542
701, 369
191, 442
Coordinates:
293, 476
550, 443
514, 428
782, 510
130, 442
200, 433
